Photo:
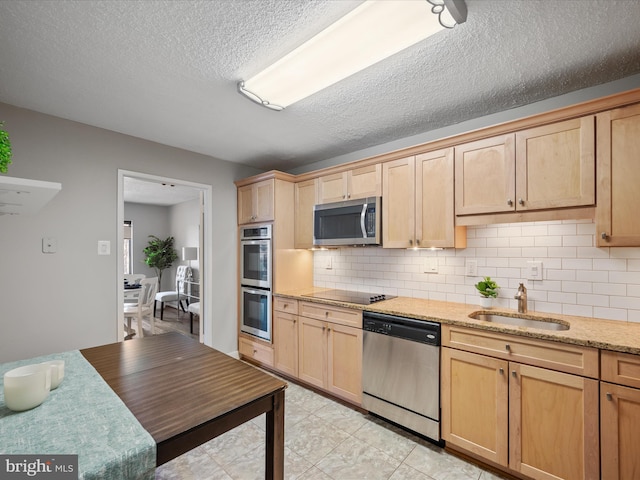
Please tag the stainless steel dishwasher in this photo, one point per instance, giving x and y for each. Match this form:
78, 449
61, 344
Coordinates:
401, 371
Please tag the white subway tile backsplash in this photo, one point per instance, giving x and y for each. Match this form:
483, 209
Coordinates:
578, 278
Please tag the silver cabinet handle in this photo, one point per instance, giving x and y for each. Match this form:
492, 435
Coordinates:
501, 371
507, 347
514, 374
410, 242
609, 396
510, 202
520, 201
604, 235
418, 241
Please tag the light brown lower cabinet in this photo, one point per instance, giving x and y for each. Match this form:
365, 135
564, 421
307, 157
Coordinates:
285, 341
620, 416
255, 350
533, 421
330, 357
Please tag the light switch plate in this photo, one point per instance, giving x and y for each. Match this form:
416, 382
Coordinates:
49, 245
471, 268
534, 270
104, 247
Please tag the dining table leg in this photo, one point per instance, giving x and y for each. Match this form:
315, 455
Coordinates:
274, 461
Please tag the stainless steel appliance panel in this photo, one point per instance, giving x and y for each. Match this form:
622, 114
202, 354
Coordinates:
255, 312
403, 372
352, 222
255, 256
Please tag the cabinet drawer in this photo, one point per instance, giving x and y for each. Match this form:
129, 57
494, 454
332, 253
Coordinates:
556, 356
285, 305
255, 351
620, 368
343, 316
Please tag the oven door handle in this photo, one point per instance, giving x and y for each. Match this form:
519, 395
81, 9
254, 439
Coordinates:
362, 217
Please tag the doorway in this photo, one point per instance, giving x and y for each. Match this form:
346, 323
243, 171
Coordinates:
139, 189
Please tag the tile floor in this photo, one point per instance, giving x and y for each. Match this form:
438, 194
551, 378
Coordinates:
324, 440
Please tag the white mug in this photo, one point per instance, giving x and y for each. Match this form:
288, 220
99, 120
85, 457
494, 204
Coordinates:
27, 387
57, 372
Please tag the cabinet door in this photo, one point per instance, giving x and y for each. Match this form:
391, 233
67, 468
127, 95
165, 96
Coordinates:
435, 218
398, 204
256, 202
285, 343
305, 199
332, 188
553, 424
620, 431
555, 165
344, 364
485, 176
364, 182
475, 393
264, 201
618, 144
245, 204
312, 348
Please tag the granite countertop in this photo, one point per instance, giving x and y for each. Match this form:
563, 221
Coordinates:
591, 332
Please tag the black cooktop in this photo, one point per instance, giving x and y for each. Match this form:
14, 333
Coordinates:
360, 298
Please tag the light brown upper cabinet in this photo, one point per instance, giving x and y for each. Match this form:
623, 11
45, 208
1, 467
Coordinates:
305, 199
541, 168
417, 205
617, 219
350, 185
256, 202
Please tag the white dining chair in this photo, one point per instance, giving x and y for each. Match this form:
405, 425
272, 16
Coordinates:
182, 273
143, 308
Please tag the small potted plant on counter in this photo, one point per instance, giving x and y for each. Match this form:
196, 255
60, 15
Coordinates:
488, 291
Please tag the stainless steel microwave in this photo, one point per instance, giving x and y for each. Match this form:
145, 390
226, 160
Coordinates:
352, 222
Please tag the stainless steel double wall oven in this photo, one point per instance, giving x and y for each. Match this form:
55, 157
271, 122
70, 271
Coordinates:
256, 281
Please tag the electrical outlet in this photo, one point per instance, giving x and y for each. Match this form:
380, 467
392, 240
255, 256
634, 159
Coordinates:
471, 268
431, 265
534, 270
328, 263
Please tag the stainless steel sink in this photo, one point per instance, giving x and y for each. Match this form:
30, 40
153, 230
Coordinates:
544, 324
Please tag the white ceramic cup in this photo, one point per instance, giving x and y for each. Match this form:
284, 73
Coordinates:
26, 387
57, 372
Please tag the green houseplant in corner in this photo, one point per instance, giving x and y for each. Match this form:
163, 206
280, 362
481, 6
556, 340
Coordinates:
160, 255
5, 149
488, 291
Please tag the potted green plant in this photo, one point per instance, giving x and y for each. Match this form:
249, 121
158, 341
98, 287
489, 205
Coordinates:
160, 255
5, 149
488, 291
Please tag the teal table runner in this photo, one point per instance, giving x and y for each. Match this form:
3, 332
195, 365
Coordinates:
82, 416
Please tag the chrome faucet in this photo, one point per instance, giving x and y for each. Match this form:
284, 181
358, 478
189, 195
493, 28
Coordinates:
521, 296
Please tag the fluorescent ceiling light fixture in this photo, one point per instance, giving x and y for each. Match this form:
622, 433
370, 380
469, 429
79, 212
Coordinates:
371, 32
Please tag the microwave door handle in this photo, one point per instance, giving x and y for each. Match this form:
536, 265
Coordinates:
362, 217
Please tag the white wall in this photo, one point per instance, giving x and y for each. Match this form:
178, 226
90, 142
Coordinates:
67, 300
147, 220
578, 278
185, 222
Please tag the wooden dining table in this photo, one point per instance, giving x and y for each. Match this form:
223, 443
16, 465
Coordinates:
185, 393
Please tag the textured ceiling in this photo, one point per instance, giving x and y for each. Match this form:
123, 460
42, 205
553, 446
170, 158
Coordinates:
167, 70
